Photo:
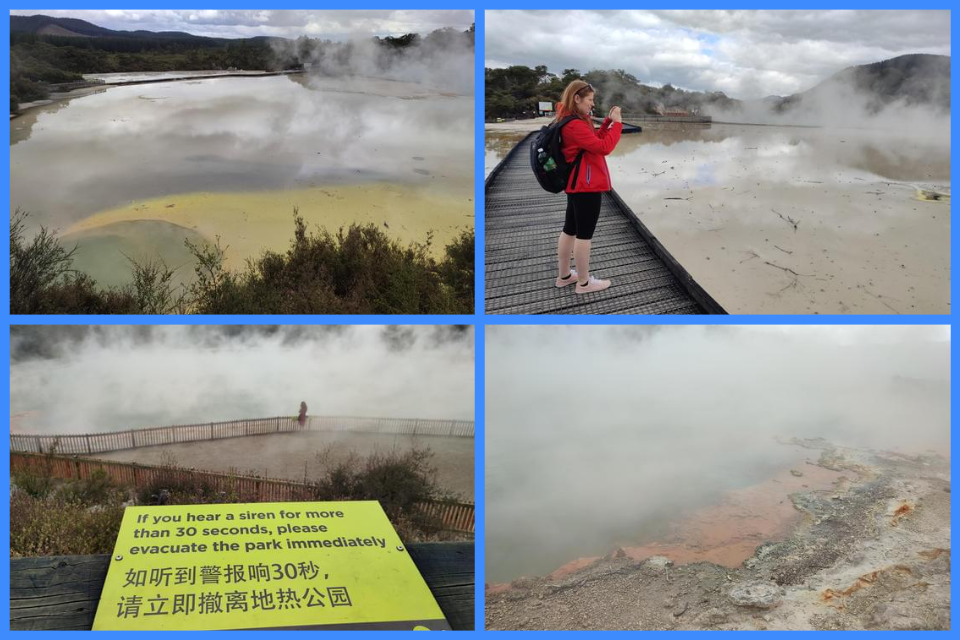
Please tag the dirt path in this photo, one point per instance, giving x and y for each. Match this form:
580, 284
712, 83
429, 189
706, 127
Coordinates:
294, 455
872, 552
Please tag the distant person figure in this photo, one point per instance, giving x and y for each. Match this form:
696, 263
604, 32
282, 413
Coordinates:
302, 418
586, 182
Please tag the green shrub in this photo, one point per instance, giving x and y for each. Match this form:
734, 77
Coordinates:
398, 480
98, 489
56, 525
33, 482
357, 270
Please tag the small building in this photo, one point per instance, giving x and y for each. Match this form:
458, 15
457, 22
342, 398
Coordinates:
545, 108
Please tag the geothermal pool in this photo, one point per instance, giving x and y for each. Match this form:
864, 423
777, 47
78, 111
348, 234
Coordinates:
138, 169
679, 442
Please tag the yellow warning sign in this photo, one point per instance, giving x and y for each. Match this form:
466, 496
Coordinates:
264, 565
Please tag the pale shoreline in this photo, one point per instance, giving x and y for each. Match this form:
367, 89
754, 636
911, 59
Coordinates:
248, 223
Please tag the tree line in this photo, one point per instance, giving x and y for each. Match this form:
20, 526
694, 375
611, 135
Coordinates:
514, 92
37, 61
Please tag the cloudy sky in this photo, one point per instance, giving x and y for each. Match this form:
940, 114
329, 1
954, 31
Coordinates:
745, 54
229, 23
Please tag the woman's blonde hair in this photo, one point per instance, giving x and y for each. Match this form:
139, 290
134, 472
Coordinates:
567, 105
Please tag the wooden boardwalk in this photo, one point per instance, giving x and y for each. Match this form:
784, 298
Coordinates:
523, 222
62, 592
88, 443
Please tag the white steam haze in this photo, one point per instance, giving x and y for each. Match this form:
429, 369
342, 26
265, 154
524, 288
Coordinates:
442, 60
597, 437
107, 378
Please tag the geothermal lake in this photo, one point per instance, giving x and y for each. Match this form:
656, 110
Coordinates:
138, 169
683, 439
778, 219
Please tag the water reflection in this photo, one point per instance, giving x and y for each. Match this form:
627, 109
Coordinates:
78, 157
497, 144
796, 155
796, 220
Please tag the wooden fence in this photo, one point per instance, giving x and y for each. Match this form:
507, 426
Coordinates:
90, 443
451, 516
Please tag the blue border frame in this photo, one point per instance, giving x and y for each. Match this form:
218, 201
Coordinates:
479, 319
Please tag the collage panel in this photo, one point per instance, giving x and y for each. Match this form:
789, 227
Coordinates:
709, 162
356, 464
242, 477
690, 477
242, 162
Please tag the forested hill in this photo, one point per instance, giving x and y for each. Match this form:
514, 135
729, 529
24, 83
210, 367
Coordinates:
74, 27
915, 79
46, 50
515, 91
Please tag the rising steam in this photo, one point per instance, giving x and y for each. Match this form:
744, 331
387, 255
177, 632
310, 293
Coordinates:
103, 378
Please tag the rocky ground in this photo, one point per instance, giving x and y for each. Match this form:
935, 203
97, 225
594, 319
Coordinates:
873, 552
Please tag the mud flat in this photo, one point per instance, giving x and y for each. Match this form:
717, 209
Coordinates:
872, 551
780, 219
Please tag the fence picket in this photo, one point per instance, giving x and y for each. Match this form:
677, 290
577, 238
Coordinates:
133, 438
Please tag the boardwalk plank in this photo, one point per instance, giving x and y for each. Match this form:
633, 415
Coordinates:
522, 222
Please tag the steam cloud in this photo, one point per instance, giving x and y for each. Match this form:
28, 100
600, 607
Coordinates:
444, 60
103, 378
838, 105
596, 436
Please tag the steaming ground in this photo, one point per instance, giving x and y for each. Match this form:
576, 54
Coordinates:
605, 437
871, 552
724, 200
82, 380
294, 456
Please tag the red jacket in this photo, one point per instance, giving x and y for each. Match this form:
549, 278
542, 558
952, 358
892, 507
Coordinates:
593, 175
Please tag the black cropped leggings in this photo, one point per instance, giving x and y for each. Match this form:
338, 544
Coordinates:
583, 211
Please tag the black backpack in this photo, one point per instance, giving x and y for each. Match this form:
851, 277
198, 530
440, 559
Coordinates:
546, 158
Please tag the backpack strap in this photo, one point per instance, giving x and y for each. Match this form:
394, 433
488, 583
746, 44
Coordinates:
576, 171
576, 163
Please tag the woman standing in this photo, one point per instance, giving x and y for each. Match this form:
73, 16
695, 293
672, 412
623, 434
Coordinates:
302, 418
588, 179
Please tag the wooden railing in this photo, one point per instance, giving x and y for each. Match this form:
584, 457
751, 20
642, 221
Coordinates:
647, 118
450, 516
90, 443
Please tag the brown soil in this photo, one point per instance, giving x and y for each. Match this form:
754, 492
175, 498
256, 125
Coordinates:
729, 532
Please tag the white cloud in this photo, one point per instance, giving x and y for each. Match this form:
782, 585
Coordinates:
229, 23
745, 54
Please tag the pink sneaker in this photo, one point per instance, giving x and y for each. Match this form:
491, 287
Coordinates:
573, 278
593, 284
